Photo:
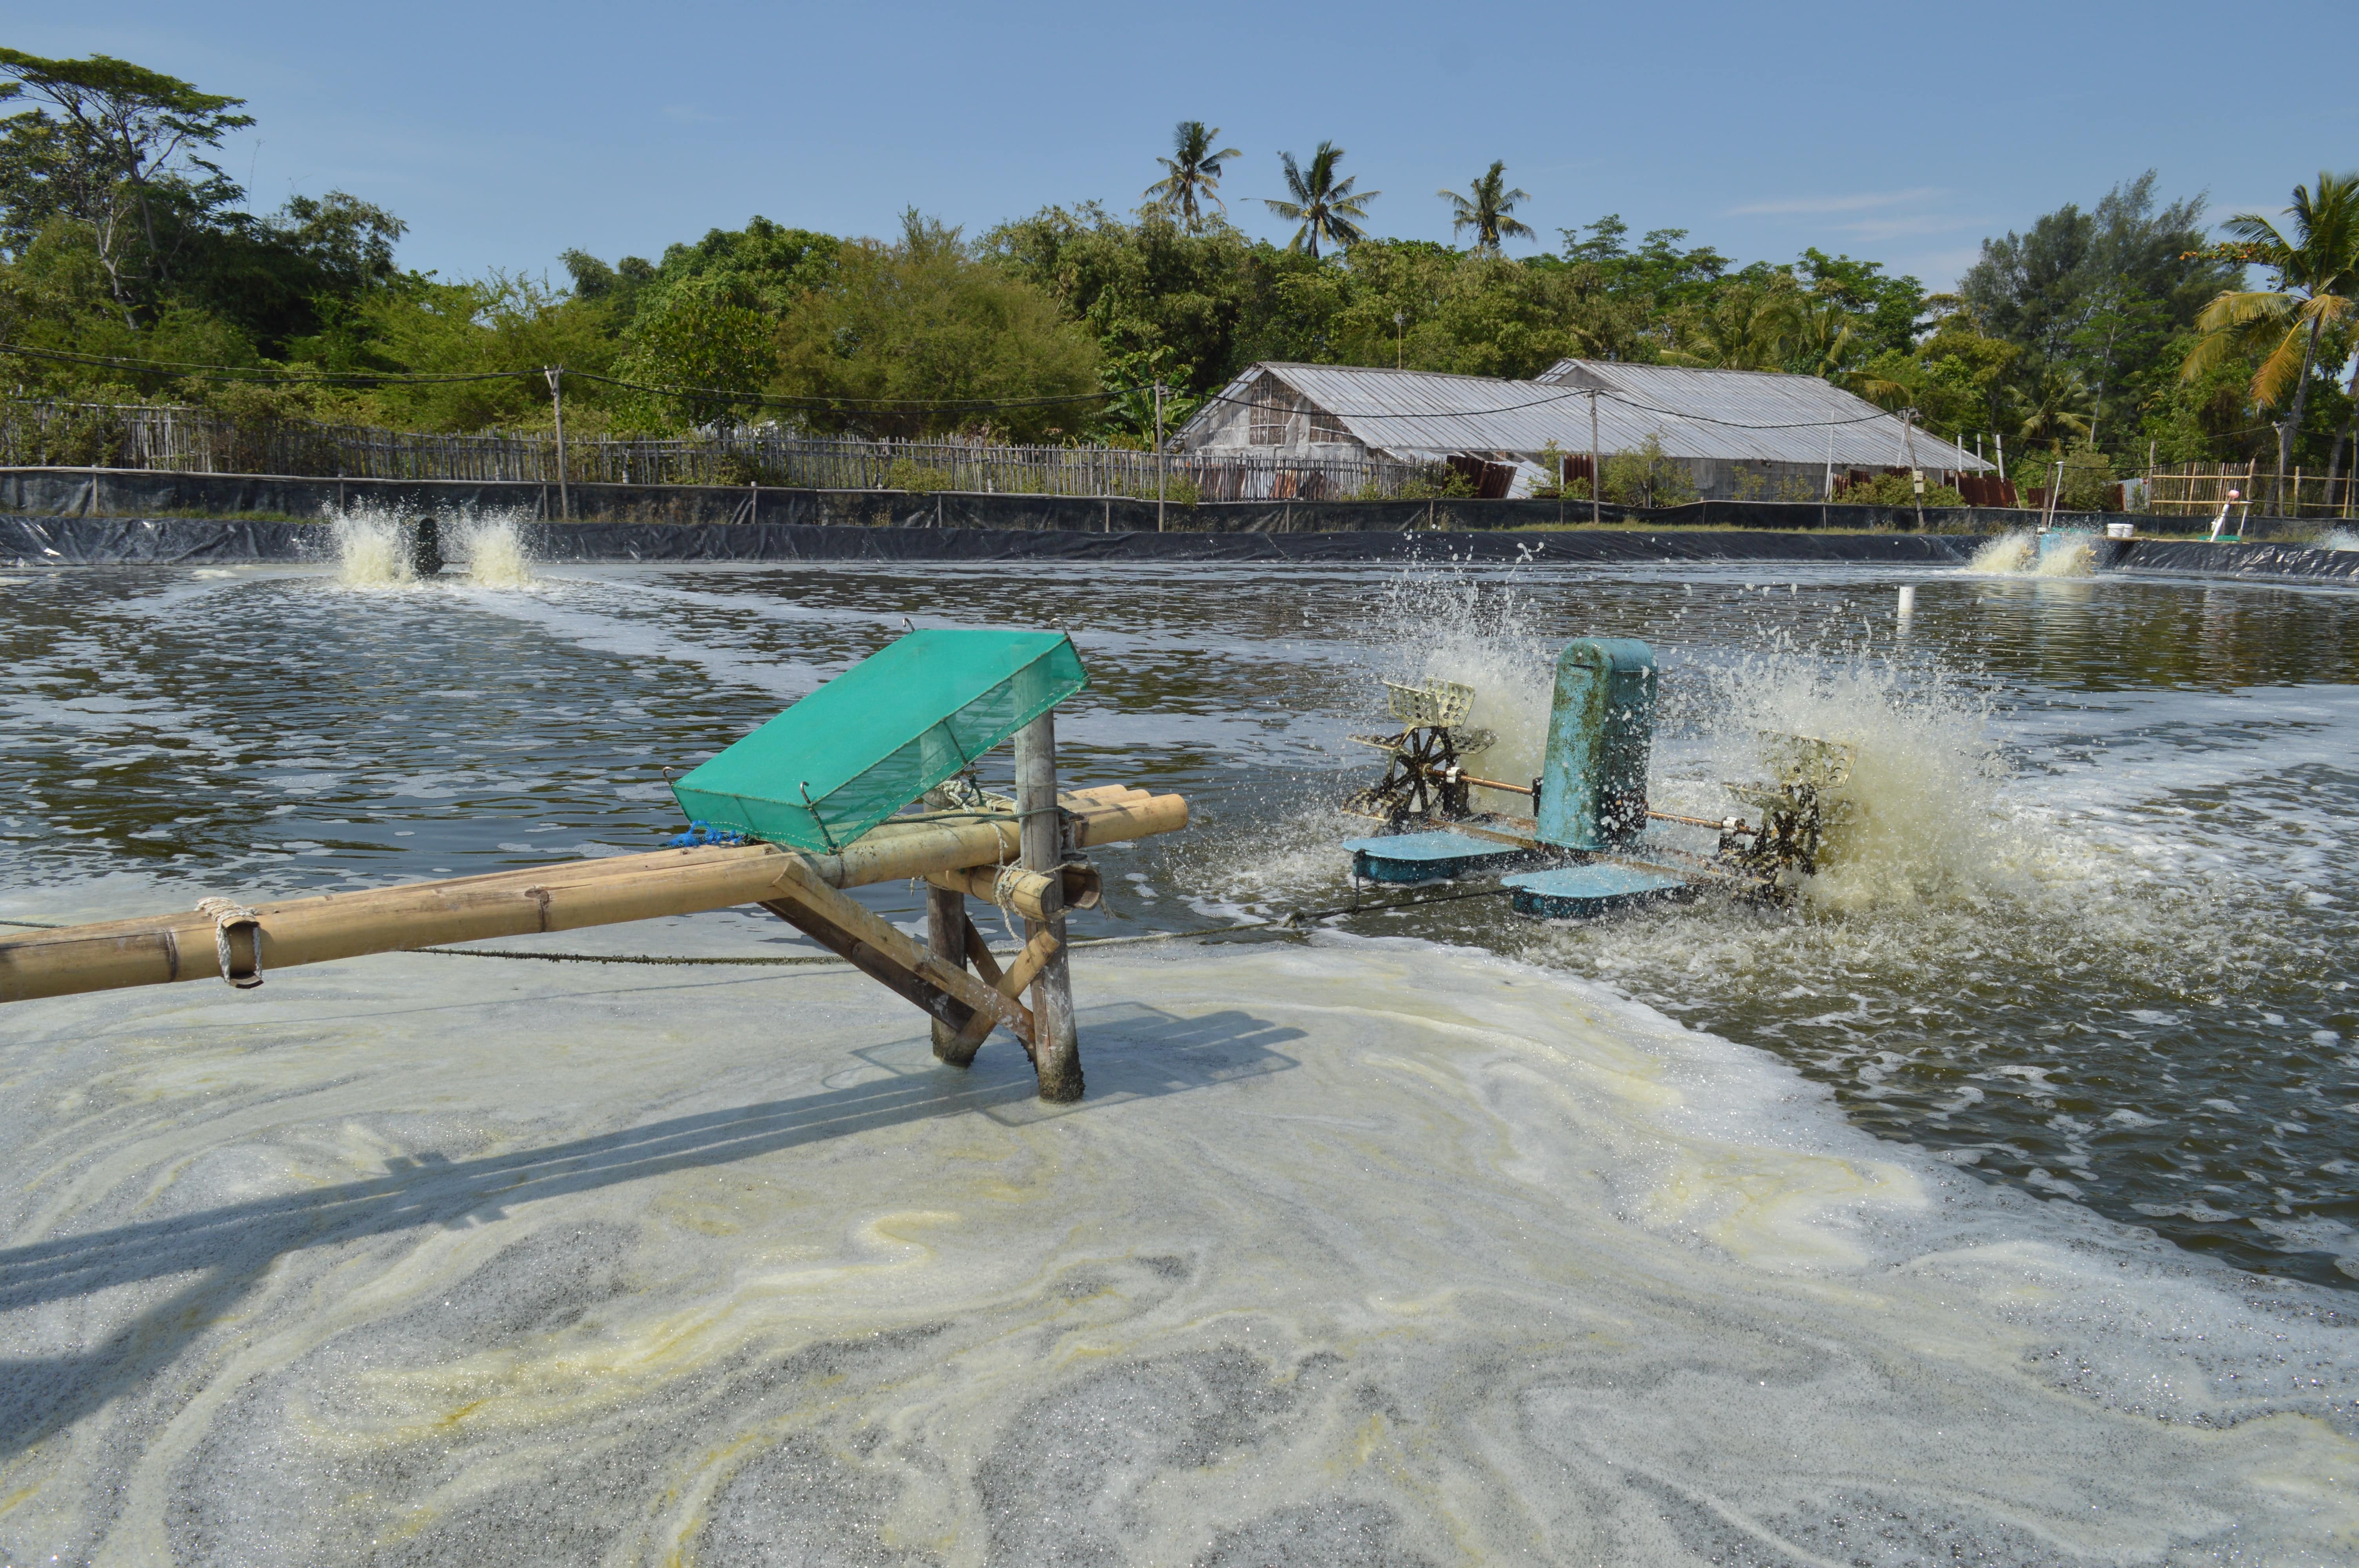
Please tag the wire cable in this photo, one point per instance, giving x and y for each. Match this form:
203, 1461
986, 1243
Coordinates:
901, 404
1569, 394
201, 370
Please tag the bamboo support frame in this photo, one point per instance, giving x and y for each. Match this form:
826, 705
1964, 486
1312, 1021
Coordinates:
1056, 1043
569, 895
1024, 892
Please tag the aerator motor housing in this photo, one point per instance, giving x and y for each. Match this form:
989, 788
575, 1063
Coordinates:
1593, 843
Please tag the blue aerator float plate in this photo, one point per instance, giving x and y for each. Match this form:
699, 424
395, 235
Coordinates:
1601, 888
1427, 857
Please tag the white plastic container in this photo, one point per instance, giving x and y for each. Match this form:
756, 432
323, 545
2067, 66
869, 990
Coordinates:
2121, 530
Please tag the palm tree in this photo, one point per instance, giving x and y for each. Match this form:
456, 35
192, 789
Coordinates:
1193, 172
2057, 406
2318, 274
1745, 328
1325, 207
1485, 209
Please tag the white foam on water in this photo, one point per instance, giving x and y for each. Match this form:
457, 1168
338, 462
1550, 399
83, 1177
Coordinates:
1365, 1252
2338, 539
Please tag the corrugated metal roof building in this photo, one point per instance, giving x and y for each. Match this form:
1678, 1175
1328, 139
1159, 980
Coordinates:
1749, 434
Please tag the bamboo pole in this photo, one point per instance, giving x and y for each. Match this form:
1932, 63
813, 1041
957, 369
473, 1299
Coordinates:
1026, 893
946, 927
1056, 1044
568, 895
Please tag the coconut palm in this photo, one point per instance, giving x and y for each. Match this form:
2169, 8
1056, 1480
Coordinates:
1486, 210
1193, 172
1745, 328
1823, 340
2317, 270
2056, 405
1324, 206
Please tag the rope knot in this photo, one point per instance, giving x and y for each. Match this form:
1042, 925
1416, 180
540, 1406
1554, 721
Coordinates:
233, 920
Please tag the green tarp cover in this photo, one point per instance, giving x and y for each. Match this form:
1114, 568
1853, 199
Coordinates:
881, 734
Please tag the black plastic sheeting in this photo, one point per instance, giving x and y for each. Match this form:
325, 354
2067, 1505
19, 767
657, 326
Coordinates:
129, 492
2181, 557
89, 541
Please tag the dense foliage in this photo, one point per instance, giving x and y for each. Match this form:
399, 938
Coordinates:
121, 237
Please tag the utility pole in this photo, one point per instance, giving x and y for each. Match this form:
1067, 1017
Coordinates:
1916, 474
1162, 464
1400, 329
1596, 466
1830, 494
556, 375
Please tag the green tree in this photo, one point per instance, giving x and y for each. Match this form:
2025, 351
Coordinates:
1883, 312
1149, 292
705, 346
2055, 405
2102, 292
2317, 274
1192, 175
114, 149
500, 322
908, 329
1323, 206
291, 279
1488, 209
1747, 325
1646, 478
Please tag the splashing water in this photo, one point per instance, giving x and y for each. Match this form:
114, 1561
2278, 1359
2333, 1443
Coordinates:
2074, 556
1450, 629
2338, 539
2020, 554
372, 548
1921, 813
2006, 554
494, 549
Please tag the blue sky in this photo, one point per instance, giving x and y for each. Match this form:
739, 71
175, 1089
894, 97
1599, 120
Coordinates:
504, 134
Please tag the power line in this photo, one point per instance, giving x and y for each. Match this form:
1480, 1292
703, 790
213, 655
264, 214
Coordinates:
901, 404
202, 371
1563, 396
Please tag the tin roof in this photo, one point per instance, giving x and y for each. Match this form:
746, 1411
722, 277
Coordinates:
1761, 416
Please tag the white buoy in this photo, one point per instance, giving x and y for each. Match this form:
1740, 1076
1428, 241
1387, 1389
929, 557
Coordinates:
1907, 601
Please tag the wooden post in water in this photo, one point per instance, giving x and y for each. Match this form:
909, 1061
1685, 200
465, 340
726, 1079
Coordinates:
1057, 1046
946, 939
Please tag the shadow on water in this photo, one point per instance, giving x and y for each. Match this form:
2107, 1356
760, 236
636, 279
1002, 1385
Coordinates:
1130, 1053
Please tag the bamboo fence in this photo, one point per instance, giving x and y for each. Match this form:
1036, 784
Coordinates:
188, 441
2201, 490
